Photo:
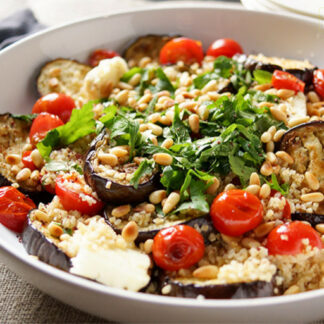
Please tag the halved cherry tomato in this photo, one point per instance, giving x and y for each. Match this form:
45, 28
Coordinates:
14, 207
71, 193
236, 212
43, 123
181, 49
224, 46
27, 161
288, 238
57, 104
177, 247
286, 212
101, 54
318, 81
285, 80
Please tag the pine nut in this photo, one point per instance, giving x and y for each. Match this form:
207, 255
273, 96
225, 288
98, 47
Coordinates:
285, 157
265, 191
271, 91
294, 289
266, 169
211, 190
121, 211
119, 151
270, 146
23, 174
285, 93
266, 137
206, 272
108, 158
210, 86
230, 186
313, 97
170, 114
143, 128
163, 158
249, 243
194, 123
142, 107
231, 240
276, 169
41, 216
313, 196
153, 118
124, 86
272, 130
135, 79
35, 175
312, 180
298, 120
190, 105
283, 107
320, 228
277, 136
157, 196
144, 61
163, 202
148, 244
203, 112
278, 114
149, 208
122, 97
55, 230
14, 170
171, 202
263, 87
37, 158
167, 143
255, 179
130, 232
163, 93
145, 99
165, 120
13, 159
253, 189
27, 147
156, 129
271, 157
153, 140
264, 229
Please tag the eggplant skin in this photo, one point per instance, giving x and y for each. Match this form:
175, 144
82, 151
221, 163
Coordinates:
35, 243
253, 289
313, 219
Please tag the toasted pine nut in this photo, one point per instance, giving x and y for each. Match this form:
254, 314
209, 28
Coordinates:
145, 99
213, 188
55, 230
266, 137
13, 159
148, 244
278, 114
153, 118
272, 130
313, 97
265, 191
194, 123
206, 272
143, 128
294, 289
255, 179
313, 196
266, 169
124, 86
122, 97
312, 181
14, 169
135, 79
298, 120
264, 229
154, 140
276, 169
149, 208
263, 87
285, 93
271, 157
41, 216
157, 196
171, 202
156, 129
229, 186
163, 93
248, 242
130, 232
108, 158
34, 175
119, 151
210, 86
144, 61
320, 228
167, 143
163, 158
37, 158
23, 174
270, 146
203, 112
231, 240
277, 136
27, 147
121, 211
253, 189
163, 202
285, 157
170, 114
165, 120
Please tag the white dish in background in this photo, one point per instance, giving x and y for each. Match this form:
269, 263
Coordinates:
256, 32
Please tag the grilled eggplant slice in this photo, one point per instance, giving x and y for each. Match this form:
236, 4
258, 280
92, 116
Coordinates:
108, 189
303, 70
36, 243
192, 288
63, 76
149, 46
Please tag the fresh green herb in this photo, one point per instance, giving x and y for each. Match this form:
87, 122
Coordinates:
57, 166
27, 118
179, 130
262, 77
274, 184
68, 231
77, 168
129, 74
163, 82
145, 168
109, 114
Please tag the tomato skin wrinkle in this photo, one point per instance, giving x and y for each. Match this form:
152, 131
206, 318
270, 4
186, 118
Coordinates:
236, 212
14, 208
287, 239
177, 247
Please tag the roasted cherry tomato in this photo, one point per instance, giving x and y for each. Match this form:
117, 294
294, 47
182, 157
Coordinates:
55, 103
14, 207
288, 238
236, 212
318, 81
43, 123
27, 161
285, 80
224, 46
72, 195
181, 49
177, 247
286, 213
101, 54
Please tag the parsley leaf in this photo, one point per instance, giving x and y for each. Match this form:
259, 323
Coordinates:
274, 184
129, 74
164, 82
27, 118
146, 167
262, 77
179, 130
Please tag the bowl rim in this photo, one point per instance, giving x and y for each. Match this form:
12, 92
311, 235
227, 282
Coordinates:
136, 296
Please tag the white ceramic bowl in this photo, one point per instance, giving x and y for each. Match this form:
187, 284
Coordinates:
256, 32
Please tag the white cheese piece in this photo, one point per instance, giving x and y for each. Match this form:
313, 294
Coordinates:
99, 81
118, 268
296, 106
